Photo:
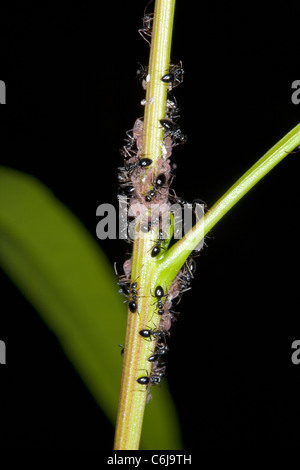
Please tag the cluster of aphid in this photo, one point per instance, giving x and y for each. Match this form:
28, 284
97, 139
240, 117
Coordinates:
140, 182
165, 304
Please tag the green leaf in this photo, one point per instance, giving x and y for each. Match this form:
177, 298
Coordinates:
62, 271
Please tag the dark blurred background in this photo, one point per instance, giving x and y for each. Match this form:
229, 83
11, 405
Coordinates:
72, 92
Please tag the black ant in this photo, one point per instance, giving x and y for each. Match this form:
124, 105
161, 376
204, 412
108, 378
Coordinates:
174, 131
153, 378
144, 380
123, 282
130, 291
154, 333
146, 30
159, 182
175, 76
132, 304
143, 163
160, 351
157, 247
127, 190
159, 294
172, 110
187, 274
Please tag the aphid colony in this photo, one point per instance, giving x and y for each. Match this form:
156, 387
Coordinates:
141, 182
165, 303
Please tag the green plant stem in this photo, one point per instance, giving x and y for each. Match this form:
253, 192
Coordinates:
135, 364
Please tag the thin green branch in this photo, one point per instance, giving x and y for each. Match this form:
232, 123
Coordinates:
176, 256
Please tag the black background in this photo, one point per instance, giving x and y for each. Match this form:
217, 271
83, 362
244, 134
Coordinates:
72, 93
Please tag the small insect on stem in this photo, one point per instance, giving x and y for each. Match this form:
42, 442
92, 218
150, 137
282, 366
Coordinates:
187, 275
158, 184
133, 295
157, 247
174, 77
128, 169
123, 282
122, 350
142, 71
159, 294
146, 30
154, 334
174, 131
161, 350
154, 378
129, 290
172, 110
